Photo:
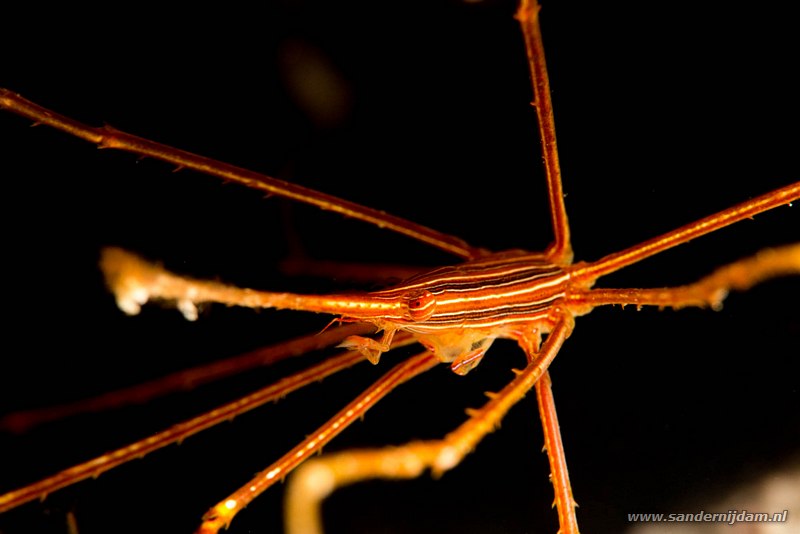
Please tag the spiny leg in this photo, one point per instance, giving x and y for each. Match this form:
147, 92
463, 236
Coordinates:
319, 477
559, 476
709, 291
588, 272
181, 431
108, 137
560, 251
223, 513
183, 380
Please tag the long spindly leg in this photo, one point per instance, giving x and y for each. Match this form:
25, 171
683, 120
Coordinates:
107, 137
559, 476
183, 380
181, 431
709, 291
319, 477
591, 271
223, 513
560, 251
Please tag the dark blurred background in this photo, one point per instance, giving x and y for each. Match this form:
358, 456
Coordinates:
663, 116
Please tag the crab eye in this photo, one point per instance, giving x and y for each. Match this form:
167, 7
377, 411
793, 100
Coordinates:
420, 304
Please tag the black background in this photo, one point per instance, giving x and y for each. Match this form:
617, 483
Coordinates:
663, 116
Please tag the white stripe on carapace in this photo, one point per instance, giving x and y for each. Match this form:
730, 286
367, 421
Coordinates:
474, 296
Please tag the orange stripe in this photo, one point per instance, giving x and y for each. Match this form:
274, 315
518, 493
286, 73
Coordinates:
486, 293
